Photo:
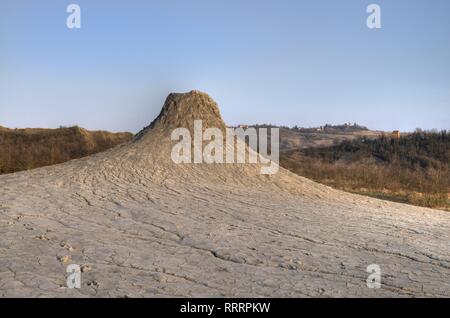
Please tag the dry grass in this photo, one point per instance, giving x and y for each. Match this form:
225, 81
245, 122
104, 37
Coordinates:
414, 169
429, 188
23, 149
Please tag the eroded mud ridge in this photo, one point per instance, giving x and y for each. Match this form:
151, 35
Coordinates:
140, 225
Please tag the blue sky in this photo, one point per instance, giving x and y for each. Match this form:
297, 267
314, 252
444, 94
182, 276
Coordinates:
293, 62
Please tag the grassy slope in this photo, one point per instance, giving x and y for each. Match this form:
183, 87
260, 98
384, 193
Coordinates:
22, 149
414, 169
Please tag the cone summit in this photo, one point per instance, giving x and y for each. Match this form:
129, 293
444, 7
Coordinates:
181, 109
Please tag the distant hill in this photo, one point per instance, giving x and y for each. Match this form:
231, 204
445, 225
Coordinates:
23, 149
328, 128
414, 168
416, 150
328, 135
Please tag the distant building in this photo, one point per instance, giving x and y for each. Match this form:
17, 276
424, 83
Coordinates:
243, 126
395, 134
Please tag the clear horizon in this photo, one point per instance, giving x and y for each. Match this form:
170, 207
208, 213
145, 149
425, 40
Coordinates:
304, 63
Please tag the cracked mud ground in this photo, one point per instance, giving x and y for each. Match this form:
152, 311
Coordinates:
142, 226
